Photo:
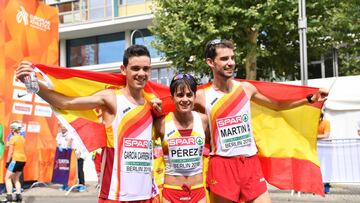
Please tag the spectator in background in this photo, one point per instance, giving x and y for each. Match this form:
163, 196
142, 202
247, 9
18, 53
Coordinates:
22, 133
63, 139
64, 142
324, 127
324, 132
15, 163
81, 156
358, 124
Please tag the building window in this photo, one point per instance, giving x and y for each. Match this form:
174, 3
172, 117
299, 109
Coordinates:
100, 9
111, 48
95, 50
144, 37
162, 75
134, 1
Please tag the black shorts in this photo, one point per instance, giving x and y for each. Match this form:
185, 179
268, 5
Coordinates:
16, 166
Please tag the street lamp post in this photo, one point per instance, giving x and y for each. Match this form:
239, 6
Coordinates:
132, 36
302, 24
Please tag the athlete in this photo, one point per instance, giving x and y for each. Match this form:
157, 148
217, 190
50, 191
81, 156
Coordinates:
183, 134
127, 157
234, 172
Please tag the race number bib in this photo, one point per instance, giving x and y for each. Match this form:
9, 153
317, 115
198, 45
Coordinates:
234, 131
137, 155
185, 153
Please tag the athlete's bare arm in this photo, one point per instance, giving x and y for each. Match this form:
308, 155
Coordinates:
104, 99
159, 125
325, 135
205, 123
10, 152
261, 99
199, 104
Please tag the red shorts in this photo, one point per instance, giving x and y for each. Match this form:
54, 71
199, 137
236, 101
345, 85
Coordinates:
184, 194
236, 178
155, 199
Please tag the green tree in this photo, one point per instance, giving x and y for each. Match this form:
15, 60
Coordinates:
264, 31
345, 30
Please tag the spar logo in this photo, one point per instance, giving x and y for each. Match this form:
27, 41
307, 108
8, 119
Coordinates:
36, 22
182, 141
22, 16
232, 120
135, 143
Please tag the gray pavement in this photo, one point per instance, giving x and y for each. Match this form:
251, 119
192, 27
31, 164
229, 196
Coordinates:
51, 193
338, 193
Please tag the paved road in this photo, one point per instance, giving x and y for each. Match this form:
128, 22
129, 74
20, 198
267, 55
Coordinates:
60, 200
338, 193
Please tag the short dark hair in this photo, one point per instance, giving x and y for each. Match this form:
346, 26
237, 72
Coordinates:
183, 80
210, 48
135, 50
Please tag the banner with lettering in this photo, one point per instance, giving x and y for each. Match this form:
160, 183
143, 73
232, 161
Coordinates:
61, 169
28, 31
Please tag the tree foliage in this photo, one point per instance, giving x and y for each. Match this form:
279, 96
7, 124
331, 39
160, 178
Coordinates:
265, 33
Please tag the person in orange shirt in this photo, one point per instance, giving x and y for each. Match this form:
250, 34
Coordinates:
324, 128
15, 163
324, 132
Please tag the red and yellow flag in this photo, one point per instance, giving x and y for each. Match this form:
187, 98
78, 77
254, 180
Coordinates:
286, 139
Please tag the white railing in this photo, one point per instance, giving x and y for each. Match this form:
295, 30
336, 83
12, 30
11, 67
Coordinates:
103, 12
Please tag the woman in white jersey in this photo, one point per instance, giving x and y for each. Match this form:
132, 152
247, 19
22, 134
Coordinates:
183, 134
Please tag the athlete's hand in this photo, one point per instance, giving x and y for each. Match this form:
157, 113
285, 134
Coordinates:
321, 95
24, 69
156, 103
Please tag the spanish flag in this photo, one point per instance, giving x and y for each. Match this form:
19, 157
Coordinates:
286, 140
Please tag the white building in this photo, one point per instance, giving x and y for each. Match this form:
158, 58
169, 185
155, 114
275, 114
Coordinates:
93, 34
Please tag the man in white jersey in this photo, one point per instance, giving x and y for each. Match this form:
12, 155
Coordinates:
234, 172
120, 179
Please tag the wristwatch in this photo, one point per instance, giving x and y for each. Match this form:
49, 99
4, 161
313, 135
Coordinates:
309, 98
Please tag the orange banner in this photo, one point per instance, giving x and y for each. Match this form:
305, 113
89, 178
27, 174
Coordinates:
28, 31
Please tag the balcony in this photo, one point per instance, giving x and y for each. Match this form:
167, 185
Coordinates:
87, 11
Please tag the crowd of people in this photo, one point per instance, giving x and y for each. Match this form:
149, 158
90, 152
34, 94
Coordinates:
234, 173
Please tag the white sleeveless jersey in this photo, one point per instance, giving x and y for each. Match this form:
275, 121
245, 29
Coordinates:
128, 156
230, 122
183, 154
